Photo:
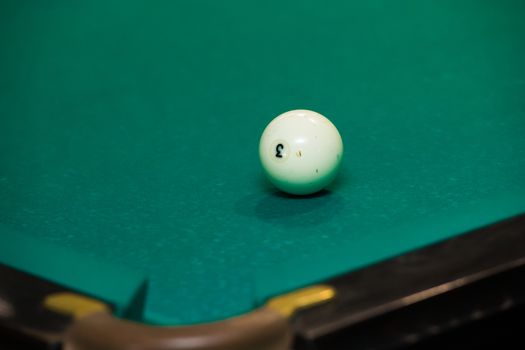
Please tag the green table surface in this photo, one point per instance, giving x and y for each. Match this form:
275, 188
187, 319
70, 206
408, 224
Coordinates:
129, 134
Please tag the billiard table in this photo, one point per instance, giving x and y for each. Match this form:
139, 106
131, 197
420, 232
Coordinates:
133, 209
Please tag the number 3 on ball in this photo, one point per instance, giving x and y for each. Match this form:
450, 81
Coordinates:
278, 150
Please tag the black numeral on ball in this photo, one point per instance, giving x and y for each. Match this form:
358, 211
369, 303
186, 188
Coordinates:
278, 150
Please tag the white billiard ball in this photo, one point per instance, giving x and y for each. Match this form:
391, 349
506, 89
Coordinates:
301, 152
